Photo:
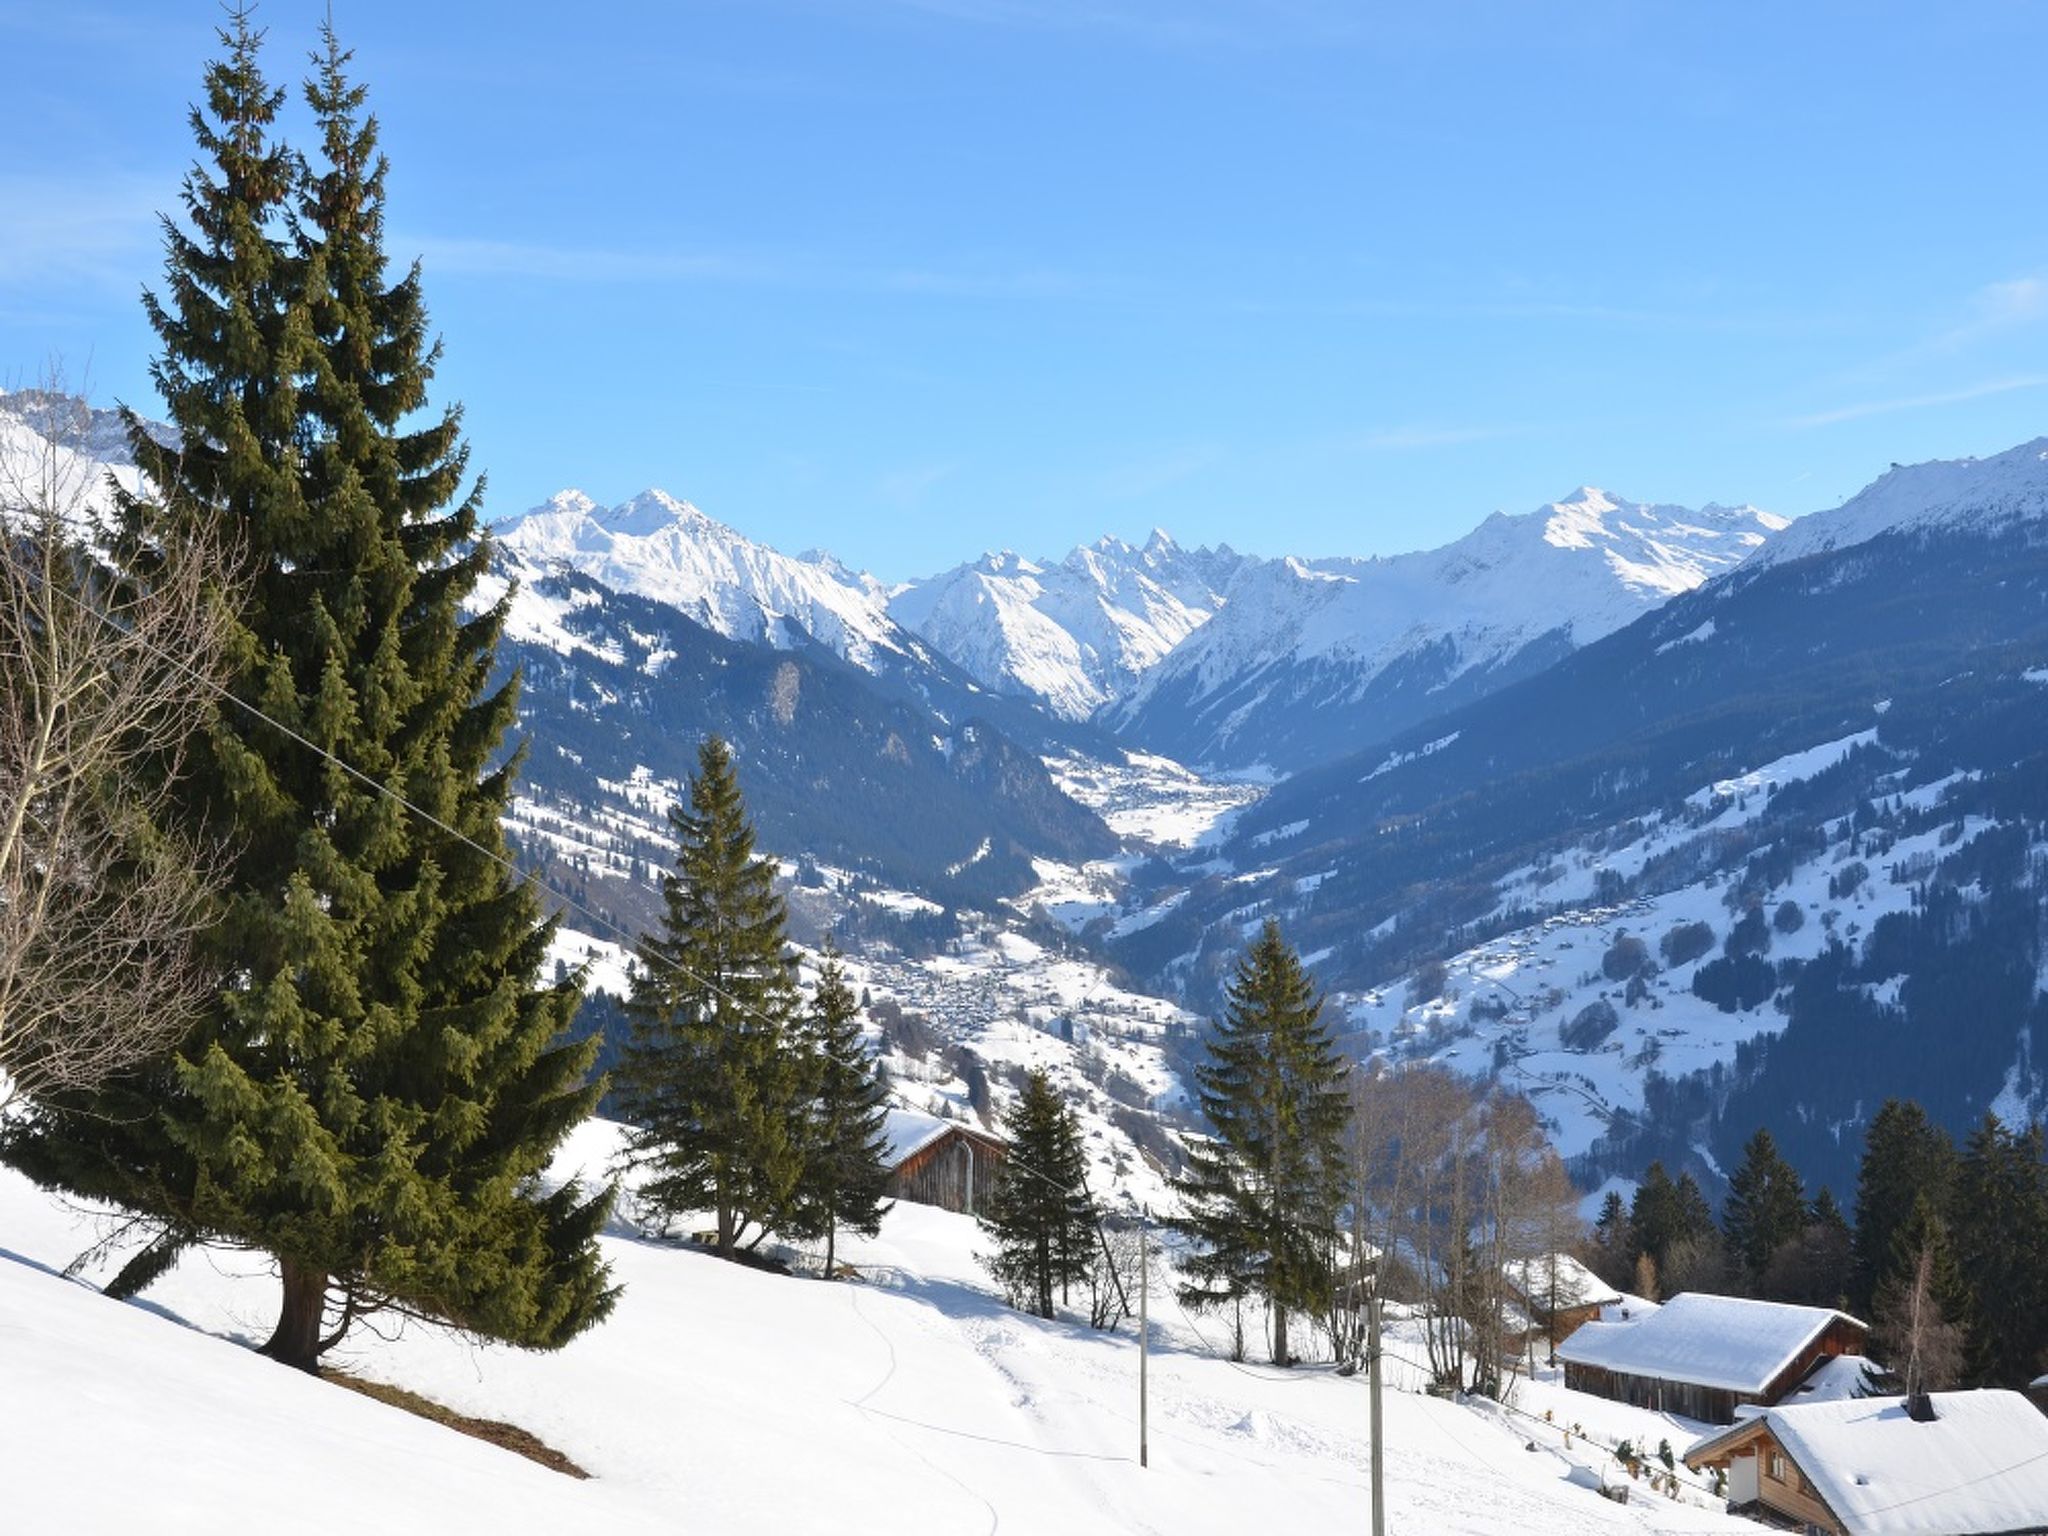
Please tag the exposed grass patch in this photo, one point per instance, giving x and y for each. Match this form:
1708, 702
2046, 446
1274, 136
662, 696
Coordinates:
508, 1436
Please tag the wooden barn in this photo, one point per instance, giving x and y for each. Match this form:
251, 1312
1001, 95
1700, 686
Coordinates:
941, 1162
1559, 1296
1705, 1356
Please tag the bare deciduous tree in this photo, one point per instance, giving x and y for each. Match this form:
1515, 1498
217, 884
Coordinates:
1926, 1346
104, 676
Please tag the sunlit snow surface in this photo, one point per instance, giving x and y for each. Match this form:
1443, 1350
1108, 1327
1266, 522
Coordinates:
721, 1400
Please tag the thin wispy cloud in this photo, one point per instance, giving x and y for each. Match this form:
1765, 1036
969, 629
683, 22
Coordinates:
1413, 437
69, 230
1890, 407
907, 487
549, 263
1145, 477
1995, 310
1161, 23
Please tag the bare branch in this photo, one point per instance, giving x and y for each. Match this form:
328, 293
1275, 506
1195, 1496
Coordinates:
105, 675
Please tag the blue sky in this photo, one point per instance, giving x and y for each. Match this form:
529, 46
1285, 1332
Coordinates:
909, 279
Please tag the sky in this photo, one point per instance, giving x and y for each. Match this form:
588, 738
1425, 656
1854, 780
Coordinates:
913, 279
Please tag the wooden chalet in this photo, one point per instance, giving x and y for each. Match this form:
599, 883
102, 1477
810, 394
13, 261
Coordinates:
941, 1162
1706, 1356
1957, 1463
1558, 1295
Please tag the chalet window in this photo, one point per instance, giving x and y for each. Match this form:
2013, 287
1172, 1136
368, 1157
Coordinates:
1774, 1464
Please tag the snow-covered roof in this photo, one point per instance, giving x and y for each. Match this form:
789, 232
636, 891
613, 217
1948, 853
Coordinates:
1979, 1466
910, 1131
1727, 1342
1837, 1379
1576, 1285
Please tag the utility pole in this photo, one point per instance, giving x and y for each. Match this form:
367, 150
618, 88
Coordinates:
1144, 1334
1372, 1359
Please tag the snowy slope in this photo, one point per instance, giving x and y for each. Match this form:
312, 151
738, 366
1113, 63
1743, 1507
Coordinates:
657, 547
1384, 640
1506, 1004
1076, 633
1983, 494
718, 1399
57, 448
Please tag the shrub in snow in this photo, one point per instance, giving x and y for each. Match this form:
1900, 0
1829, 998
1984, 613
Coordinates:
1751, 936
1625, 957
1427, 984
1686, 942
1789, 918
1590, 1026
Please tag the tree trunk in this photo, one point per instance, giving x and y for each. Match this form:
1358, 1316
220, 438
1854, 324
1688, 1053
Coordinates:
1044, 1278
296, 1341
1280, 1355
831, 1232
725, 1230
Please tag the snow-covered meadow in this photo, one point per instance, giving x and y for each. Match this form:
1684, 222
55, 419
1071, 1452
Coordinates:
722, 1399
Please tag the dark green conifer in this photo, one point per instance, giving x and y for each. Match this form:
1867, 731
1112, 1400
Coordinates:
1905, 1156
1765, 1208
1613, 1242
1039, 1214
381, 1086
1262, 1195
713, 1079
1655, 1220
845, 1152
1999, 1227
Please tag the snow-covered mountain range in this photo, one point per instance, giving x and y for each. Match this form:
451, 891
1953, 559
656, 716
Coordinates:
1076, 634
659, 547
1205, 654
1310, 658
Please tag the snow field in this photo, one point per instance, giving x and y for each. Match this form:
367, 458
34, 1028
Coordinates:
721, 1399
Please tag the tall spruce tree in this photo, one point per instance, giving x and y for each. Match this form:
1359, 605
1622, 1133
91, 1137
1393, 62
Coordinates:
1261, 1196
845, 1151
1039, 1214
1905, 1156
382, 1083
1655, 1220
1613, 1249
1765, 1208
1999, 1228
713, 1078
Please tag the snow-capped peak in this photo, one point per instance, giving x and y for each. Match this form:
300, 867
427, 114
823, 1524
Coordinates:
1301, 636
2006, 487
1072, 632
658, 546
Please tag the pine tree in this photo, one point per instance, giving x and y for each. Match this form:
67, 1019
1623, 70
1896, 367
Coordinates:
1654, 1217
1765, 1208
1261, 1198
845, 1148
713, 1079
1039, 1214
1695, 1217
2000, 1232
381, 1085
1905, 1156
1613, 1241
